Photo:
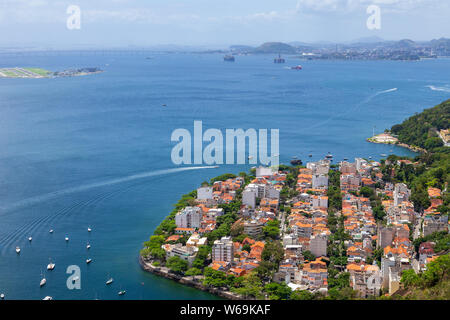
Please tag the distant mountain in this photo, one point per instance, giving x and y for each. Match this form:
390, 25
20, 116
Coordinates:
275, 47
373, 39
404, 44
241, 48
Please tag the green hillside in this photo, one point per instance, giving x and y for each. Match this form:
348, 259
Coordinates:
420, 129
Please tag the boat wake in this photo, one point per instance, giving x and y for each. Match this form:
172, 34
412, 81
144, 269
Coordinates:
443, 89
37, 224
386, 91
357, 107
55, 194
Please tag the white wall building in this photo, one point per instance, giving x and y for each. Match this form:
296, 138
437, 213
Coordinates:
223, 250
189, 217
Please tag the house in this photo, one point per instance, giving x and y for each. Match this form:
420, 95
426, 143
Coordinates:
178, 250
365, 279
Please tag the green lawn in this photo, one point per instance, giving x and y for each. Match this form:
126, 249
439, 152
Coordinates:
39, 71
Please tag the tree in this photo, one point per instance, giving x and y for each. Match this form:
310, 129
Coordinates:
251, 286
193, 272
302, 295
366, 192
277, 291
410, 278
308, 255
176, 264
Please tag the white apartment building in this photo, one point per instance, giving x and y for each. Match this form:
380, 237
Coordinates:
189, 217
223, 250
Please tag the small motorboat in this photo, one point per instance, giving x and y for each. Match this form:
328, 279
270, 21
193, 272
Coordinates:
48, 298
88, 260
43, 282
121, 292
109, 281
2, 296
329, 156
310, 155
89, 229
30, 239
88, 246
67, 239
51, 266
383, 154
51, 231
17, 250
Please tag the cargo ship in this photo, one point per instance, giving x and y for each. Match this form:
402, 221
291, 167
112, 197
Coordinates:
279, 59
228, 58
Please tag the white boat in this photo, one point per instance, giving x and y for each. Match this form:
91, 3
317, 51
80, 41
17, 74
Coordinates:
18, 250
51, 231
67, 238
30, 238
89, 229
88, 246
109, 281
383, 154
51, 266
48, 298
43, 282
88, 260
2, 296
121, 292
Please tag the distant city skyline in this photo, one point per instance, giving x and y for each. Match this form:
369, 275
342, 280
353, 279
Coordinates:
216, 24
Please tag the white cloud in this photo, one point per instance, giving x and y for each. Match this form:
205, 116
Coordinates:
318, 6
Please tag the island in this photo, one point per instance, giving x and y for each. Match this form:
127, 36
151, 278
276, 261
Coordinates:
323, 231
37, 73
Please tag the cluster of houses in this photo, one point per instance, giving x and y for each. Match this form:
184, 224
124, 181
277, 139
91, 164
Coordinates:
304, 231
307, 231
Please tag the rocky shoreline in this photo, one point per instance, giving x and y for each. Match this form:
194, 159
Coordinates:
386, 138
192, 281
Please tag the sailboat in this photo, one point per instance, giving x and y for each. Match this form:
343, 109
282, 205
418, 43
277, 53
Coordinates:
51, 265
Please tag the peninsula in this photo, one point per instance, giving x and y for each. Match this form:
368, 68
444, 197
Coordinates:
37, 73
353, 230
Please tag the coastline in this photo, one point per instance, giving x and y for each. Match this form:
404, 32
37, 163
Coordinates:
191, 281
386, 138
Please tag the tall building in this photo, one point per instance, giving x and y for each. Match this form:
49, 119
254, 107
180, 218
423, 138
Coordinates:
318, 245
189, 217
223, 250
205, 193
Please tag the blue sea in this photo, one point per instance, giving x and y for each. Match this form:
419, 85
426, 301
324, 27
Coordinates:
94, 151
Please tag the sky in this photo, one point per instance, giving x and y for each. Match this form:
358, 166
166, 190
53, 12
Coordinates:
213, 23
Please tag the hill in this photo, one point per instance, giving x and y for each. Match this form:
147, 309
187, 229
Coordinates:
275, 47
420, 129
